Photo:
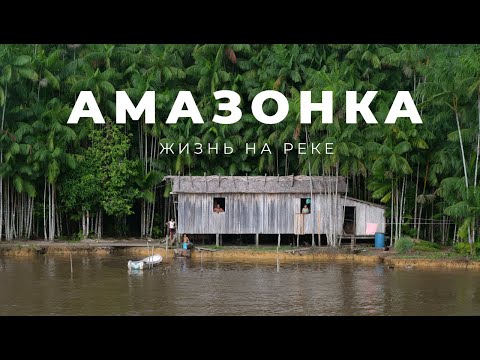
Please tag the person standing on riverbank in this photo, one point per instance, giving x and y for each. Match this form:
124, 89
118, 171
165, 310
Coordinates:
171, 229
185, 243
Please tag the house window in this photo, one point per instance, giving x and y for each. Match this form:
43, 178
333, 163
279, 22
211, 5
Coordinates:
305, 204
349, 220
218, 205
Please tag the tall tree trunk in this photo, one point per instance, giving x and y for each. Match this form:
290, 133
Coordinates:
150, 231
142, 220
335, 229
100, 229
402, 197
84, 222
87, 225
397, 221
54, 200
45, 211
470, 239
392, 211
416, 196
476, 160
1, 162
342, 221
478, 140
49, 212
461, 148
423, 200
313, 213
431, 225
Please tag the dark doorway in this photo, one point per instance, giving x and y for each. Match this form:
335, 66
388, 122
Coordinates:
323, 240
238, 239
349, 220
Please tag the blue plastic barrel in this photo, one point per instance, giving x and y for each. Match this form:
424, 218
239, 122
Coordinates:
379, 240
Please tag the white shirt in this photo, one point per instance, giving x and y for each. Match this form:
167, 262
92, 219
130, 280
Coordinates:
171, 224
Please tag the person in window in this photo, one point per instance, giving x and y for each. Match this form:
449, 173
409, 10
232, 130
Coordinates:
218, 209
305, 209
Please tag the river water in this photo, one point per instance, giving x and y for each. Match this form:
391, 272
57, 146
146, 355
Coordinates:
44, 285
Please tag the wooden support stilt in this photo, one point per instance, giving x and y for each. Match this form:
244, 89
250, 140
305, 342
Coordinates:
257, 240
217, 240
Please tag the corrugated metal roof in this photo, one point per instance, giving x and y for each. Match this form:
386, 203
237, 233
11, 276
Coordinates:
256, 184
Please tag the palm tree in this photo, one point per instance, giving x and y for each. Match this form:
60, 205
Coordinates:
446, 89
51, 152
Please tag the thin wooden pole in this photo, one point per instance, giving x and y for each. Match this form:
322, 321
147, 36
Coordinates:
176, 222
71, 264
166, 246
278, 260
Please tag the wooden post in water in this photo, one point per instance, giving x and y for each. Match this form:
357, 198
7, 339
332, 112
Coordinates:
153, 248
278, 261
298, 240
166, 247
71, 264
148, 252
257, 239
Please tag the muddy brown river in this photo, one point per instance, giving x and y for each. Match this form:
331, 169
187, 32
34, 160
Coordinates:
44, 285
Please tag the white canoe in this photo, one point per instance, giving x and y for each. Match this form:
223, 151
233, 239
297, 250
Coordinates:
145, 263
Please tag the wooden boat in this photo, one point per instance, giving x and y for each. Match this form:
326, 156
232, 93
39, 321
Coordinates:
145, 263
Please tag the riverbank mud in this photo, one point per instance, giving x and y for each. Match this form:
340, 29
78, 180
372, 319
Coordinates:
365, 256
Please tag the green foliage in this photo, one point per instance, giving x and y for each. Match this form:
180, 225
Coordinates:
81, 188
463, 248
158, 228
407, 230
403, 245
102, 177
113, 170
426, 246
157, 232
117, 168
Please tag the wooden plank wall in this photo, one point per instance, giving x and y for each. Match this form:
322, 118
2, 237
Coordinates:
266, 214
365, 213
